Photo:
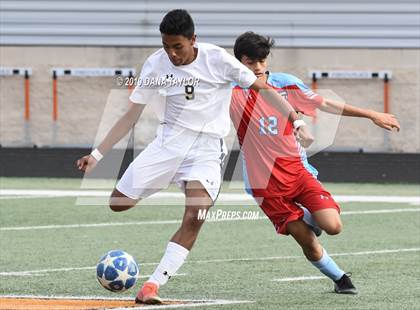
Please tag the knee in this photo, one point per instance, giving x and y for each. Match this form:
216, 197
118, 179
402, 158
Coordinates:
192, 220
119, 202
117, 205
118, 208
333, 228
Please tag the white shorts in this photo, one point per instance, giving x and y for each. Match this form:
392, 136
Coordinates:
176, 155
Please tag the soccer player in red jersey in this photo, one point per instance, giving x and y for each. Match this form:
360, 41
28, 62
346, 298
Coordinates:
276, 170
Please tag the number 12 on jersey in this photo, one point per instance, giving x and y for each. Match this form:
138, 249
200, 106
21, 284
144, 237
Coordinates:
268, 126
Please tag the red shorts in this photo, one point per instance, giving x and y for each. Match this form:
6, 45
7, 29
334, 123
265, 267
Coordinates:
284, 209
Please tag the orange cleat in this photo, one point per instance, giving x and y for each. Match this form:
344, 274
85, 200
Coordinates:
148, 294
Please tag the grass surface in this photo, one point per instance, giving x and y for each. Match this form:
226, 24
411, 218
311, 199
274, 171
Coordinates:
385, 280
236, 186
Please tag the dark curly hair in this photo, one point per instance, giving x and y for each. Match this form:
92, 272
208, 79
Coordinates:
252, 45
177, 22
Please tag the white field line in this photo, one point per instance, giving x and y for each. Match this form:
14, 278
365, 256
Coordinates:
220, 260
222, 197
43, 272
90, 225
197, 303
194, 302
303, 278
110, 224
306, 278
380, 211
14, 197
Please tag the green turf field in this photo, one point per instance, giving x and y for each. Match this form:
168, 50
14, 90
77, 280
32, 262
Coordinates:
232, 260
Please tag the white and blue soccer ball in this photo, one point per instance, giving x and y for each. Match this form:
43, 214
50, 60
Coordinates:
117, 271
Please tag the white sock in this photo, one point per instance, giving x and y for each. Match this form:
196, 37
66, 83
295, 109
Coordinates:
171, 261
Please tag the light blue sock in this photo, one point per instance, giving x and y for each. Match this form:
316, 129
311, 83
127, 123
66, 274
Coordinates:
308, 218
328, 267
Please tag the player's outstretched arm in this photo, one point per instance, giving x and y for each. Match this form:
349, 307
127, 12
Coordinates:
117, 132
383, 120
302, 132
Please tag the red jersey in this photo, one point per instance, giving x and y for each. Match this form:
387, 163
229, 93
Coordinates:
274, 161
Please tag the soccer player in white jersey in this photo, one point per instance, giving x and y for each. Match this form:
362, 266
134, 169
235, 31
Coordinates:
189, 84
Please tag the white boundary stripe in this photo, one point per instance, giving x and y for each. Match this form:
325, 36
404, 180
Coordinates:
15, 197
294, 257
376, 252
380, 211
383, 199
198, 303
90, 225
53, 193
194, 302
222, 197
228, 260
98, 225
303, 278
66, 297
42, 272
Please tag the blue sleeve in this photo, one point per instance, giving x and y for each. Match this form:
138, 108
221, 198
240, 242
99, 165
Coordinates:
281, 80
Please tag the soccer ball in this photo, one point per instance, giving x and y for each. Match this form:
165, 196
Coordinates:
117, 271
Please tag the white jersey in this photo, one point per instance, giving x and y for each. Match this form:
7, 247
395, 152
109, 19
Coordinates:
194, 96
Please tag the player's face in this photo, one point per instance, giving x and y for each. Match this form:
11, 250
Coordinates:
180, 49
258, 66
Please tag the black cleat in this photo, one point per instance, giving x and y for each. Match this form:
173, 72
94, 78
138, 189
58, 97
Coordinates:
344, 285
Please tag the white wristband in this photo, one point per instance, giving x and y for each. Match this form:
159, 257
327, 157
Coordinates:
97, 155
298, 123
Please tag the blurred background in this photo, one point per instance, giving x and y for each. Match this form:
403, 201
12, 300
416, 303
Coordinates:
50, 117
